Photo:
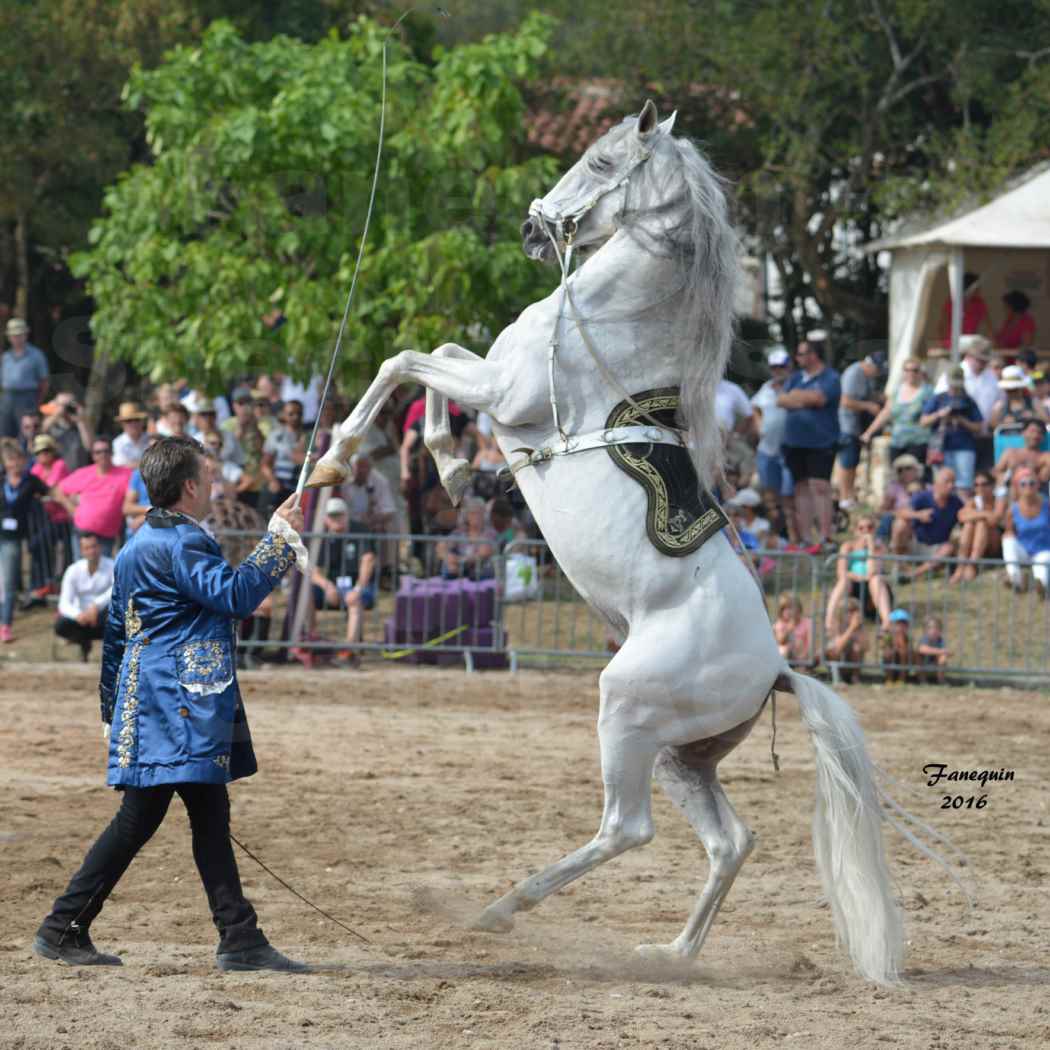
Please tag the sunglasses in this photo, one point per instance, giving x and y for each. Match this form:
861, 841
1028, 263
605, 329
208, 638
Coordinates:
1028, 484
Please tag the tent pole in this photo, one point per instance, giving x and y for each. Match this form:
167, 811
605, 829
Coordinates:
955, 284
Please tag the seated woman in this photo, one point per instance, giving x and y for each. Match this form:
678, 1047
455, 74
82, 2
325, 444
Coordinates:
858, 574
1026, 540
793, 631
848, 643
468, 551
981, 535
1018, 402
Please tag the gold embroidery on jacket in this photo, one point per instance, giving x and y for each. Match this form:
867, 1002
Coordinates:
132, 621
201, 659
272, 554
130, 708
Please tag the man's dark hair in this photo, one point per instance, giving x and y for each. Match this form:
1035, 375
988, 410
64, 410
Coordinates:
167, 466
90, 536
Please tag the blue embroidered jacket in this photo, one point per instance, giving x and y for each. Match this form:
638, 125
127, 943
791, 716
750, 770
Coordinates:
168, 683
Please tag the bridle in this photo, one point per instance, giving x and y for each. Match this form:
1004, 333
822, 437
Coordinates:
563, 228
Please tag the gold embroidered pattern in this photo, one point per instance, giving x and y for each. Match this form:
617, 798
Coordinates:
130, 708
273, 555
201, 659
132, 621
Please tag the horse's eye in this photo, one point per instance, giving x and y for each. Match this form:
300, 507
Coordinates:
601, 164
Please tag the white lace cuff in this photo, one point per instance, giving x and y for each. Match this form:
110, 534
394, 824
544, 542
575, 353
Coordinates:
279, 527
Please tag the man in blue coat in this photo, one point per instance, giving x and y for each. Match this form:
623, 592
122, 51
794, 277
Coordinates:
169, 691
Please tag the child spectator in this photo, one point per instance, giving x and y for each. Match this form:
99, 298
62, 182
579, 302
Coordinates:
933, 654
907, 471
898, 654
745, 505
793, 631
501, 517
848, 643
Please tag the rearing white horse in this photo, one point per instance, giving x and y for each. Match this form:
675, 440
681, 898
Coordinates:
585, 374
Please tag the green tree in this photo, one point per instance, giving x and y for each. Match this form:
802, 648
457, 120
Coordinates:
833, 118
256, 198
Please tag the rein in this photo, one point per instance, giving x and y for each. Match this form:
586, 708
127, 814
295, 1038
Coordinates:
657, 433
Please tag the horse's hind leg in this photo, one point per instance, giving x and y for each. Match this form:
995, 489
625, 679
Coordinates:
627, 769
689, 776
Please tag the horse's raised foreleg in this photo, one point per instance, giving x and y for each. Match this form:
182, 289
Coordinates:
476, 384
627, 754
455, 474
689, 777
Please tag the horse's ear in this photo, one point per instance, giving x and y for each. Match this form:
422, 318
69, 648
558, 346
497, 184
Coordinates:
647, 120
668, 124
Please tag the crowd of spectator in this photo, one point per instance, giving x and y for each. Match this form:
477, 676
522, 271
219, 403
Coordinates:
792, 451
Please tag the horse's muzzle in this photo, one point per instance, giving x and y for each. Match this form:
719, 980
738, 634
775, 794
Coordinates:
535, 242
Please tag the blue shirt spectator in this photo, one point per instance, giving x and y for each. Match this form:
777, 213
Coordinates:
957, 438
814, 427
938, 529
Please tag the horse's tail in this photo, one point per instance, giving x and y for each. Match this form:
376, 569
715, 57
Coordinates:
847, 834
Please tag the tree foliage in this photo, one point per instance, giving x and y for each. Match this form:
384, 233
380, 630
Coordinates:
263, 155
833, 118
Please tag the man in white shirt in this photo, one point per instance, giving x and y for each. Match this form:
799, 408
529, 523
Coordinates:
735, 417
368, 495
86, 588
129, 446
982, 385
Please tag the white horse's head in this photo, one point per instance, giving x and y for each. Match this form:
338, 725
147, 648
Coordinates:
586, 204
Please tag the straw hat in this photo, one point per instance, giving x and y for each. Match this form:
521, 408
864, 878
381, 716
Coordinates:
975, 345
1013, 378
906, 461
44, 443
130, 411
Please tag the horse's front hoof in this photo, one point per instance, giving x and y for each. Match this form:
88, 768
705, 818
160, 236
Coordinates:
325, 474
491, 921
458, 482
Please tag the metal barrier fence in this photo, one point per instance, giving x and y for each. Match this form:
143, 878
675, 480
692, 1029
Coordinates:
445, 599
518, 606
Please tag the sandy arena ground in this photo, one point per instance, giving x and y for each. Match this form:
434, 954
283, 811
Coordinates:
403, 800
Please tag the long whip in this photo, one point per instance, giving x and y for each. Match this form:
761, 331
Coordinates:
303, 473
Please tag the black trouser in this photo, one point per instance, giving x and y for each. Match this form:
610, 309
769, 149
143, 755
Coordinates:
80, 633
139, 816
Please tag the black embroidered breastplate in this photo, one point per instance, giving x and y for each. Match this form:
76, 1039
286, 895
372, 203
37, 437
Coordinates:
681, 516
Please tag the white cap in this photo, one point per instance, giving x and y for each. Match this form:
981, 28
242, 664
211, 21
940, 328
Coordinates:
195, 402
817, 335
336, 506
746, 498
778, 356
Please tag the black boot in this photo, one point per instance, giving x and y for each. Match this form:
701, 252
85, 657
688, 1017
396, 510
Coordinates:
263, 957
74, 948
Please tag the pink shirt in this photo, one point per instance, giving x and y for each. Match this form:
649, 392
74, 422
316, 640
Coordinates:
55, 511
101, 499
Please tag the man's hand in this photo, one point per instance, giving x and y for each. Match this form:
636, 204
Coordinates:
290, 511
925, 515
89, 617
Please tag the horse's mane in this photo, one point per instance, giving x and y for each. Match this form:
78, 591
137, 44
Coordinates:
704, 251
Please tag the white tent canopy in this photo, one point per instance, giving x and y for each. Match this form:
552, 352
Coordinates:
1006, 241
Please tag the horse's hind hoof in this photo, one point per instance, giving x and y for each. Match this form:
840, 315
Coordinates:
325, 474
490, 921
661, 954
